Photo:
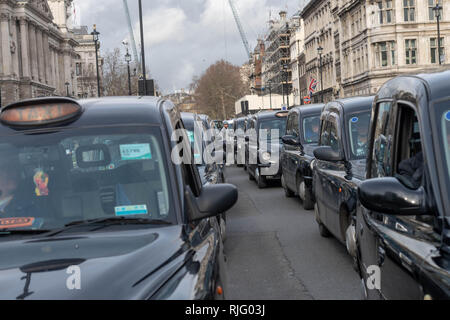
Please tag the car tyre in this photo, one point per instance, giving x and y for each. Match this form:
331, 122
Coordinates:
250, 176
260, 180
305, 195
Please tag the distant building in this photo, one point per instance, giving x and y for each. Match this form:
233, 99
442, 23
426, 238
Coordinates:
37, 50
184, 101
297, 39
276, 68
367, 42
85, 66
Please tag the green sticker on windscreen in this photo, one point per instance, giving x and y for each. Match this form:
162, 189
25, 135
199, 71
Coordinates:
191, 136
135, 151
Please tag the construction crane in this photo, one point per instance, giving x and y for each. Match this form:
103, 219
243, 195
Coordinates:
130, 30
240, 28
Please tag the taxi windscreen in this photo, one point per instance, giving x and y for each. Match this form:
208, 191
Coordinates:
49, 180
271, 126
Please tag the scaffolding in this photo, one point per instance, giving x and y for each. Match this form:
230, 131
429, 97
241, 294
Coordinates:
276, 65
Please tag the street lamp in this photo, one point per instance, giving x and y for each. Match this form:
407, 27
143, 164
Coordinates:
437, 13
67, 89
128, 60
319, 51
95, 34
286, 74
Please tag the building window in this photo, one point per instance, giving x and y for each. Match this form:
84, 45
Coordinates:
434, 49
385, 53
410, 50
431, 5
78, 69
392, 45
409, 10
386, 11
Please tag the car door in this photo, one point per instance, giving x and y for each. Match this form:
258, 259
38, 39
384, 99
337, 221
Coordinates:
288, 156
395, 246
320, 171
334, 175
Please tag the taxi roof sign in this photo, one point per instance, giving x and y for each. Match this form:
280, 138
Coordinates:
38, 112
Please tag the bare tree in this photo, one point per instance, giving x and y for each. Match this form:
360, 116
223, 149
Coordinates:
115, 75
217, 90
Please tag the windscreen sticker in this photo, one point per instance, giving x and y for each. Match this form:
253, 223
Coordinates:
355, 119
135, 151
131, 210
13, 223
40, 179
447, 116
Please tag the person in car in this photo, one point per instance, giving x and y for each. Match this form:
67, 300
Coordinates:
410, 171
9, 178
312, 132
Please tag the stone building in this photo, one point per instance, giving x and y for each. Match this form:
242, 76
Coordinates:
85, 66
37, 51
367, 42
382, 39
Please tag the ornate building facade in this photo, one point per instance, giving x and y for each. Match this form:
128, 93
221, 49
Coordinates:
37, 51
367, 42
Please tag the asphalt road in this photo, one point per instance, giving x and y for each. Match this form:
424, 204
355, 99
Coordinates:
274, 249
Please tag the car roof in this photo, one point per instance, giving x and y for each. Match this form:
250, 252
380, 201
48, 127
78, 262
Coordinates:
413, 87
268, 114
110, 110
309, 109
350, 105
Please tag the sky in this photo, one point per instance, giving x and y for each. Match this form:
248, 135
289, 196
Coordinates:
182, 37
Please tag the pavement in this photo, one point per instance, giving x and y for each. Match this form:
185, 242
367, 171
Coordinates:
274, 250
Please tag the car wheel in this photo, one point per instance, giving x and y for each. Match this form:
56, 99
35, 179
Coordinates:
260, 180
287, 192
305, 195
324, 232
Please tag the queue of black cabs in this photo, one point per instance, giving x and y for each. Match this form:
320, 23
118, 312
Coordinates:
101, 199
379, 181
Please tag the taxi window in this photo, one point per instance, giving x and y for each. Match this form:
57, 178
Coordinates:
273, 124
77, 175
358, 131
381, 153
311, 127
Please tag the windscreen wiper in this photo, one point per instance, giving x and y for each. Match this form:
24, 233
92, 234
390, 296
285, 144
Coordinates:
103, 222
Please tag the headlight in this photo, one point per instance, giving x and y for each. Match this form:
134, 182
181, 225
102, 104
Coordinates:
265, 156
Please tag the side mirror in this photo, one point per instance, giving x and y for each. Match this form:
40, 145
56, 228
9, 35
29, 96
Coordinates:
390, 196
326, 153
290, 140
213, 200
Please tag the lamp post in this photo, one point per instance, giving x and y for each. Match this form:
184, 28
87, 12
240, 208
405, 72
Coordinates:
95, 34
286, 74
437, 13
67, 89
128, 60
270, 92
141, 23
319, 51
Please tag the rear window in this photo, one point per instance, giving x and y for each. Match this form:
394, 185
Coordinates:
277, 124
57, 178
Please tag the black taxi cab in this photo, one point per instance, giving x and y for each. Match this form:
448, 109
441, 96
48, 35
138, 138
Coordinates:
302, 136
264, 135
101, 199
339, 166
403, 220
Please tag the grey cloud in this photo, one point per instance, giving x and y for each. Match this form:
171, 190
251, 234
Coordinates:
194, 45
